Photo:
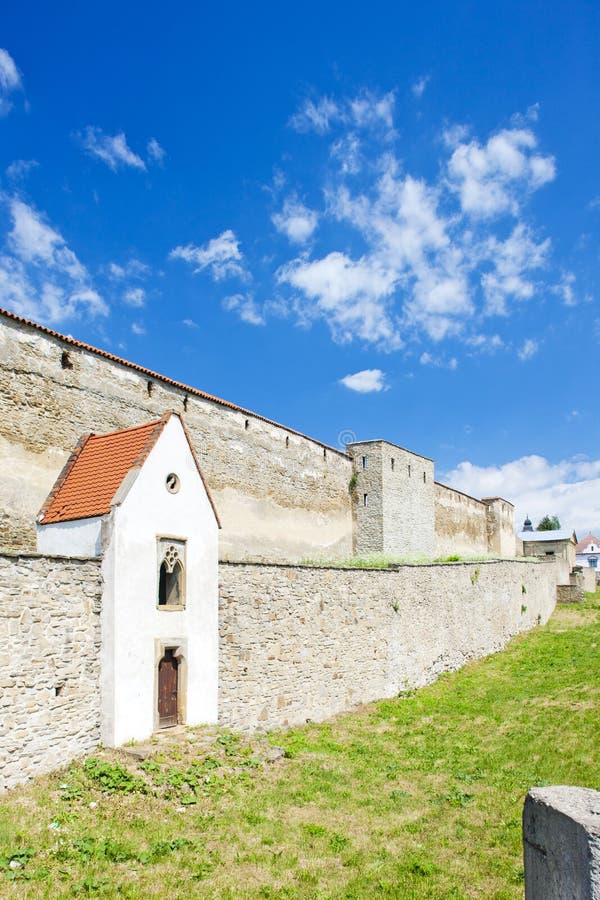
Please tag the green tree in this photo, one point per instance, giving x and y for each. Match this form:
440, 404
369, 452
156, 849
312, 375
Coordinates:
548, 523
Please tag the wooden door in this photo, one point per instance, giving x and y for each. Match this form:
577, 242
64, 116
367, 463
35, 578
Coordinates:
167, 690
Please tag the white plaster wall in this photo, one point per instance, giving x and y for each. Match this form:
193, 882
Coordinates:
132, 624
83, 537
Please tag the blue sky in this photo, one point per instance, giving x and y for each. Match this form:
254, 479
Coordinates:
380, 222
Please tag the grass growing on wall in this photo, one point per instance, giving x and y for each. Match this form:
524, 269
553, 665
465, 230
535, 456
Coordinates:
417, 797
382, 561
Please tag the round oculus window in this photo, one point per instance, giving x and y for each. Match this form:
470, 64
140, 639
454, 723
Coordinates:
172, 483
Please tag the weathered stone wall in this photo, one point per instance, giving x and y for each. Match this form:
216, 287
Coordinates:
398, 519
296, 643
280, 496
570, 593
584, 577
367, 497
302, 643
49, 663
460, 523
501, 527
408, 510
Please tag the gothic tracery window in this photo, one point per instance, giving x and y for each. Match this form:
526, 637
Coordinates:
171, 573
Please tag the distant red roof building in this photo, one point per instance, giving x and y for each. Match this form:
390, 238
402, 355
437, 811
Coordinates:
589, 544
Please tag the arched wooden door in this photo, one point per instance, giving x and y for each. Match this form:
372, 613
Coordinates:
167, 690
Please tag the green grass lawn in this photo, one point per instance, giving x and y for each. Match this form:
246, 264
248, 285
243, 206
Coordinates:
416, 797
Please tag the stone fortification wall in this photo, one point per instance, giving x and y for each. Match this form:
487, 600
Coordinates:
460, 523
280, 496
49, 663
367, 498
302, 643
501, 527
397, 518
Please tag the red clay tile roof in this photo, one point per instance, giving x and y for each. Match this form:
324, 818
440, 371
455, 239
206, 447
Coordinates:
95, 471
583, 544
195, 392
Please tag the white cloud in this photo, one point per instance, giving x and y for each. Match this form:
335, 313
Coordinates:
524, 120
485, 343
10, 81
221, 256
440, 362
453, 135
133, 268
368, 381
138, 328
246, 308
528, 349
511, 259
316, 116
368, 110
155, 152
34, 241
350, 295
40, 276
565, 289
489, 178
347, 151
426, 256
20, 168
111, 149
569, 489
135, 297
189, 323
418, 88
296, 221
116, 271
409, 250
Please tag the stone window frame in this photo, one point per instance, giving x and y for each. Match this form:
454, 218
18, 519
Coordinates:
180, 545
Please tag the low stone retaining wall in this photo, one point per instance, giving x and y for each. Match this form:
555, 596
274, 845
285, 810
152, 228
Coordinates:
49, 663
300, 643
584, 577
569, 593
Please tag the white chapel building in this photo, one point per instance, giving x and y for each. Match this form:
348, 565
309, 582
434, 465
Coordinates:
137, 499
